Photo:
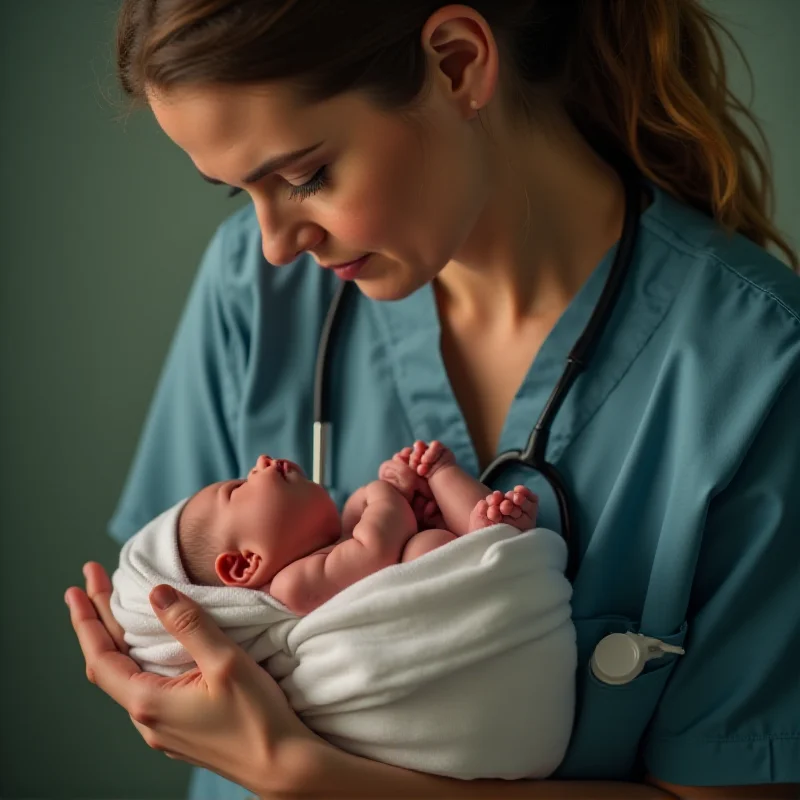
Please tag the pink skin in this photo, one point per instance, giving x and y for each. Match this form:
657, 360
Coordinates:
248, 520
279, 532
454, 501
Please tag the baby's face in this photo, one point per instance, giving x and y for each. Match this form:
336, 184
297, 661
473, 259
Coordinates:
276, 514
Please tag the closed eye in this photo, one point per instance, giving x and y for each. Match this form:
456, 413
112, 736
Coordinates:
316, 183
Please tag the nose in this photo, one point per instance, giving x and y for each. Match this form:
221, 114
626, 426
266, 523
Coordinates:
262, 462
285, 239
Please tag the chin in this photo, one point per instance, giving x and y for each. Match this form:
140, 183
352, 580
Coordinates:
393, 287
334, 538
382, 293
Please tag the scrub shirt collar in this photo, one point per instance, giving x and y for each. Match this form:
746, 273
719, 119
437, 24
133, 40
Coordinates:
413, 332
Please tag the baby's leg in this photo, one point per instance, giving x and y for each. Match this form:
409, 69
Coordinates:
516, 508
425, 541
456, 493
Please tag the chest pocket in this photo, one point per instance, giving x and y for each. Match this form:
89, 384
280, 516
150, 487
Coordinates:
611, 720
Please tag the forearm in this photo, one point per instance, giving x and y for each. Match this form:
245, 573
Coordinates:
323, 771
456, 493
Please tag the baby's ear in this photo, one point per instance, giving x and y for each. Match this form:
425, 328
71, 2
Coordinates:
237, 569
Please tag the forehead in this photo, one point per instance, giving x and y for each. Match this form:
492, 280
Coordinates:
226, 129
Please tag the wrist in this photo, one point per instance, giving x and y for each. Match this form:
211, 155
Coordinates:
284, 770
300, 768
434, 477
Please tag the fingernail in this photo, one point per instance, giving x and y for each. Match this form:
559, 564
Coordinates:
66, 596
163, 596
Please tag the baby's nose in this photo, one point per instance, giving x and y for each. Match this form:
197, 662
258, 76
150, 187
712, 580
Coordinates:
261, 463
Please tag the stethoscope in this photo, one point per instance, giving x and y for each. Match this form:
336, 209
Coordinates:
619, 657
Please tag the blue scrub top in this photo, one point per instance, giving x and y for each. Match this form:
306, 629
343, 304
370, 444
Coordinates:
680, 445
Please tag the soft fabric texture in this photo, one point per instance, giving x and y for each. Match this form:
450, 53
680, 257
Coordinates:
460, 663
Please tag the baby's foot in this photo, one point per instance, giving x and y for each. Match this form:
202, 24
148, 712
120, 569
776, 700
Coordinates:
517, 508
428, 459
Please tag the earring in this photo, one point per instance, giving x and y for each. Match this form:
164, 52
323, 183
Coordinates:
473, 104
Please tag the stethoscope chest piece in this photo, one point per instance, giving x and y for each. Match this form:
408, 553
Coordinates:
620, 657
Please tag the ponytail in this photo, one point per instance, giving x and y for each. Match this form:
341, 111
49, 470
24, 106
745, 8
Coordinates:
651, 74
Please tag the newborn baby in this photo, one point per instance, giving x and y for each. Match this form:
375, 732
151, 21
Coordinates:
280, 533
460, 663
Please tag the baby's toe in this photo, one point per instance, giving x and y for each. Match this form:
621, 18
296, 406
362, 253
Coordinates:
495, 498
506, 506
494, 514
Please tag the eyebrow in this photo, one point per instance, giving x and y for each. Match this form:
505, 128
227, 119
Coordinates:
271, 165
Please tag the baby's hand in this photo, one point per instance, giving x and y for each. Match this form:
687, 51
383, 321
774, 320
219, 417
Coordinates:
413, 487
399, 474
427, 459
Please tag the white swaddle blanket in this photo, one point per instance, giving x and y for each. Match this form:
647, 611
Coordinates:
460, 663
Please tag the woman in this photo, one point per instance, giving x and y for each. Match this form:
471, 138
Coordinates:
449, 150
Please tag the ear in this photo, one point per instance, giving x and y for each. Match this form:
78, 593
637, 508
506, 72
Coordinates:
242, 569
462, 48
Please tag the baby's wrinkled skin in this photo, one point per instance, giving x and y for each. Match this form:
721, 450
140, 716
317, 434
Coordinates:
281, 533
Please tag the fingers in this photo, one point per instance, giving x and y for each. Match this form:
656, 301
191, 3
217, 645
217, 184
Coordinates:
212, 651
98, 589
433, 451
106, 667
403, 456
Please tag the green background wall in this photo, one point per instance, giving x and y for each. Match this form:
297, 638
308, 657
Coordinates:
102, 225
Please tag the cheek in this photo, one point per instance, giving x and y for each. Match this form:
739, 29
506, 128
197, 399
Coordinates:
404, 211
411, 197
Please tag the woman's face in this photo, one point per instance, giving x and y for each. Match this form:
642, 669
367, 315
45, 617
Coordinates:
371, 182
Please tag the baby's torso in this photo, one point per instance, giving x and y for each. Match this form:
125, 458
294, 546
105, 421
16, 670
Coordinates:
311, 580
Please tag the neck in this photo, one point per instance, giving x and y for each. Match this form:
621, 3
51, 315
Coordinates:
553, 209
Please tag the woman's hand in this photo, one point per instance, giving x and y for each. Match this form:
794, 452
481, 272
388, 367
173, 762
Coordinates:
227, 715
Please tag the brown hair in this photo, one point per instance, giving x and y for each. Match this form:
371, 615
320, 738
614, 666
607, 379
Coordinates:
197, 551
649, 73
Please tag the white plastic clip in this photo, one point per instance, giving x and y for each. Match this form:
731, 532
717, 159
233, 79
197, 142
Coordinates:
620, 657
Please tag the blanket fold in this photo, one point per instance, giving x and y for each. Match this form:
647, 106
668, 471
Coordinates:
460, 663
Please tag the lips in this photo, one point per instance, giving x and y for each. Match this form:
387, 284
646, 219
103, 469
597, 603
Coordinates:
346, 264
352, 270
284, 467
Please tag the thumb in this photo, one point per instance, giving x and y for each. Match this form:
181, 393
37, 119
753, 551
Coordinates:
194, 628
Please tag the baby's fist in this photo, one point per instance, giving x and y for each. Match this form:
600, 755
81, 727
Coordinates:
428, 459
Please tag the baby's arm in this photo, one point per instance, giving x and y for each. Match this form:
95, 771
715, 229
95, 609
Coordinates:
455, 491
353, 511
386, 525
463, 503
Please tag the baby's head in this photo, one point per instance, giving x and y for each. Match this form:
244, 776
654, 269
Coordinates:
243, 532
